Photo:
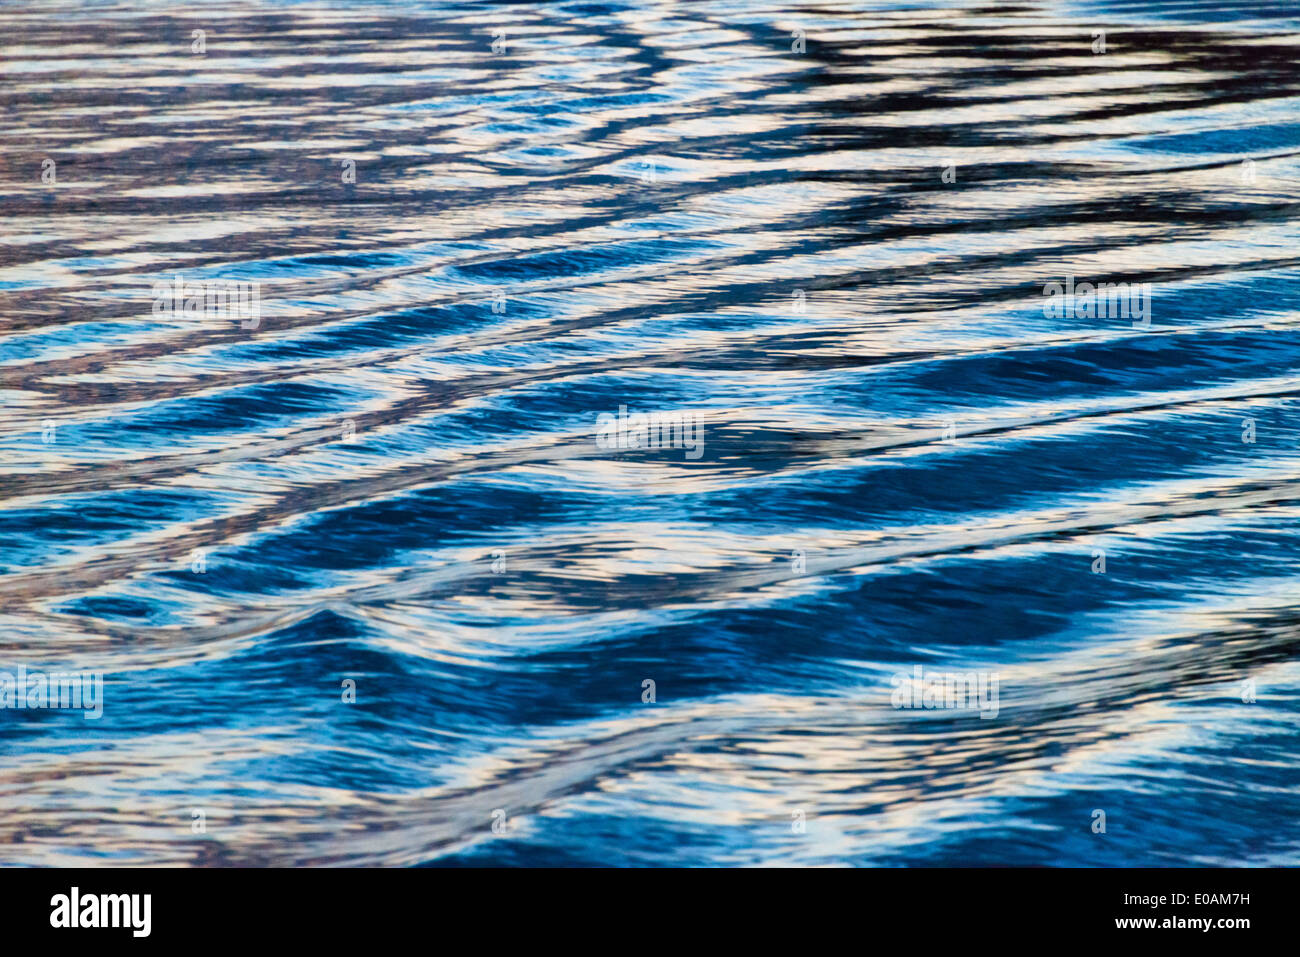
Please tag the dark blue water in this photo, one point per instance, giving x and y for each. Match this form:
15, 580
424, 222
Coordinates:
818, 234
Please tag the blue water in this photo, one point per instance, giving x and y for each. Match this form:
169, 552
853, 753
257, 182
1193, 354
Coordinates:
393, 484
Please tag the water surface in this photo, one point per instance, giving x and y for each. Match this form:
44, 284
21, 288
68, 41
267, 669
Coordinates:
736, 210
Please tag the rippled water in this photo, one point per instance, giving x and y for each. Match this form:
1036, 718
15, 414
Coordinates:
732, 210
